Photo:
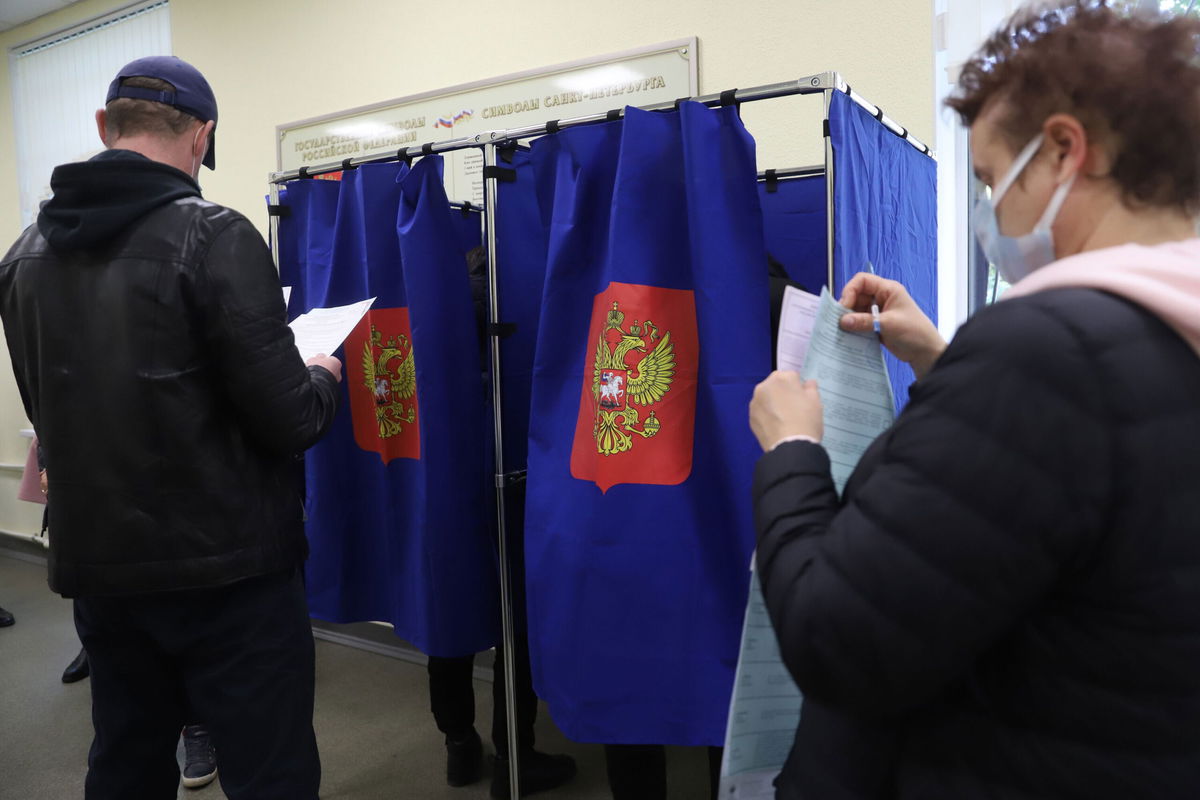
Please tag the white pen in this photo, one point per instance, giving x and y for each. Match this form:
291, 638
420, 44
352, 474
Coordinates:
874, 306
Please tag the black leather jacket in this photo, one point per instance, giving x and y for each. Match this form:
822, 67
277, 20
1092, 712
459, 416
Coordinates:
148, 336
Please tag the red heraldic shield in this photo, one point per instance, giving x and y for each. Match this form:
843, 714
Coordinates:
382, 382
637, 412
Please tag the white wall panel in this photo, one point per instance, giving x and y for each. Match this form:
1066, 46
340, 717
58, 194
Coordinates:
59, 82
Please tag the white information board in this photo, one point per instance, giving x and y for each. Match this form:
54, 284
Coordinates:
639, 77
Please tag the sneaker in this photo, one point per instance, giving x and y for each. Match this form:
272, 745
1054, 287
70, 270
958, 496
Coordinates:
199, 757
540, 772
464, 760
6, 618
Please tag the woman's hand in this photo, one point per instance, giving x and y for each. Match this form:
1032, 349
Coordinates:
783, 406
904, 328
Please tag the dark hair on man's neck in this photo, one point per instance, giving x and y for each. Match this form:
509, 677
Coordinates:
128, 116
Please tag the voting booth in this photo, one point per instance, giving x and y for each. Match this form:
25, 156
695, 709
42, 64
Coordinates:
626, 299
879, 209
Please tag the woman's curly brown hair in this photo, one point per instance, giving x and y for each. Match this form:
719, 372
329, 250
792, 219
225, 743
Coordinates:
1133, 80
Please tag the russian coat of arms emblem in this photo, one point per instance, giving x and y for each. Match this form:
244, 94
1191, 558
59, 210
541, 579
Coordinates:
621, 391
638, 407
382, 382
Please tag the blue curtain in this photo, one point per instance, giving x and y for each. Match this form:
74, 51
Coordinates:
469, 227
397, 496
794, 223
306, 238
653, 334
885, 212
521, 248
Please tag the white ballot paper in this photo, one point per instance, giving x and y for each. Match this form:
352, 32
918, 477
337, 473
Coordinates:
857, 398
796, 321
323, 330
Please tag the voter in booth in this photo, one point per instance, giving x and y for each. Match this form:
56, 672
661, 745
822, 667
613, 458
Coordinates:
1005, 601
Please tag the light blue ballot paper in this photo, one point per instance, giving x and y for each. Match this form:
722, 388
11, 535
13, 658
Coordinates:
765, 709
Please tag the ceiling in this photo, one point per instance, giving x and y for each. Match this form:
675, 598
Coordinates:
18, 12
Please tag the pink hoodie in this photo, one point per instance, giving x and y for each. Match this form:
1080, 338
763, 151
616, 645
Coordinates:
1163, 279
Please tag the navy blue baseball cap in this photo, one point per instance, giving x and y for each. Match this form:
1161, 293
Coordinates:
192, 93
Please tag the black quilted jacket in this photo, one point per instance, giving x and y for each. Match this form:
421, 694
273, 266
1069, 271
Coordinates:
151, 352
1006, 603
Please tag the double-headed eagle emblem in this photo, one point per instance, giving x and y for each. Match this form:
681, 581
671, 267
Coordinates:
619, 387
392, 379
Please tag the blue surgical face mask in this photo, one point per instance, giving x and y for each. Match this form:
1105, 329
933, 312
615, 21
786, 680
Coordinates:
1017, 256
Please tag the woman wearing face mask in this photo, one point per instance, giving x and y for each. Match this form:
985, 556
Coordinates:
1005, 603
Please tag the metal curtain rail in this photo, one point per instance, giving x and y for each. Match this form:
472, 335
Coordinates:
812, 84
830, 177
508, 631
792, 172
886, 121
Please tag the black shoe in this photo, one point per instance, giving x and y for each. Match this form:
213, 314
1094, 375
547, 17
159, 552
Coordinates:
464, 760
199, 757
539, 772
6, 618
78, 669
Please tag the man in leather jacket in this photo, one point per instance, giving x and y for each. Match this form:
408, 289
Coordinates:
148, 338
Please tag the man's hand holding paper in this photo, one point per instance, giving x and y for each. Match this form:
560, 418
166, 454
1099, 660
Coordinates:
331, 363
322, 330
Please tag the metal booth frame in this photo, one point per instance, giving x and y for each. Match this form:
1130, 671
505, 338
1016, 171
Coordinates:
824, 83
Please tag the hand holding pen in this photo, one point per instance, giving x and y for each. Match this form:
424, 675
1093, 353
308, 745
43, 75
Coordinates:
886, 307
875, 306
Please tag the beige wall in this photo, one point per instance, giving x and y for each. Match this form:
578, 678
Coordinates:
275, 61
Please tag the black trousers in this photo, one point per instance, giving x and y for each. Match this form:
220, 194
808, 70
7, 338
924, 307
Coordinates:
639, 771
451, 693
452, 699
240, 656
